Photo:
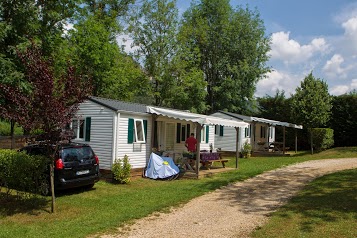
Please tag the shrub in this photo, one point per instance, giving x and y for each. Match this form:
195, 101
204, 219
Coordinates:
22, 172
121, 170
246, 150
5, 129
322, 138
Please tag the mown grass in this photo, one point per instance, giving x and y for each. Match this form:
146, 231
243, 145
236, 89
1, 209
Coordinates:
326, 208
80, 213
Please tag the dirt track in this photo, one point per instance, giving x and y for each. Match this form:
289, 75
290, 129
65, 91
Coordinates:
237, 209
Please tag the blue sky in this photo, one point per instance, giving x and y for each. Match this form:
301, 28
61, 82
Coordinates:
307, 35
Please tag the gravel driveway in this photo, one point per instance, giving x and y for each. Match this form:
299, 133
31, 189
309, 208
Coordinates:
237, 209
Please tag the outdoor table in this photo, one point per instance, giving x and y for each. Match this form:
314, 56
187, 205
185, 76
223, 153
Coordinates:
207, 158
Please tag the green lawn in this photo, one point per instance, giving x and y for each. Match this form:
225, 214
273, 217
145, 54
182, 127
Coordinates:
83, 213
326, 208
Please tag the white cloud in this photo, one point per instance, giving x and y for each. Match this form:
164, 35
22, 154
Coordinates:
290, 51
278, 80
349, 11
339, 90
342, 89
350, 35
354, 84
333, 67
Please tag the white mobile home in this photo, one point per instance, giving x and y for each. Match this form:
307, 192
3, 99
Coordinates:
115, 129
259, 132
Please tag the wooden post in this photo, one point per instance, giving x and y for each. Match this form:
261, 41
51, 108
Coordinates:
253, 135
295, 141
284, 140
237, 146
52, 175
198, 147
12, 132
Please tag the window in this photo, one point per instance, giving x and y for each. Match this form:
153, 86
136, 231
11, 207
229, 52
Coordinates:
205, 134
263, 132
182, 132
81, 128
218, 130
271, 131
247, 131
137, 130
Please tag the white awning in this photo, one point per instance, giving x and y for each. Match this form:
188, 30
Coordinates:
194, 117
276, 123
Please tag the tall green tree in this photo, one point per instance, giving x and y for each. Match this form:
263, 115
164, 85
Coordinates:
175, 83
274, 107
231, 49
93, 49
21, 23
311, 104
278, 107
153, 29
344, 119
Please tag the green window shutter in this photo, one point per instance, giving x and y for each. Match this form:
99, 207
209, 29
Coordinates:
145, 128
207, 134
221, 128
130, 131
178, 130
88, 126
188, 130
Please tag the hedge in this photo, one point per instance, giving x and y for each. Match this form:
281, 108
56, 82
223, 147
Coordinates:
322, 138
22, 172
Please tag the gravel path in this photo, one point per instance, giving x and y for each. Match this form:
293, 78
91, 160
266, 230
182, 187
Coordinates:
237, 209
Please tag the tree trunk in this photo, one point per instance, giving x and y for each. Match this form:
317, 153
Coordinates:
12, 133
53, 210
311, 142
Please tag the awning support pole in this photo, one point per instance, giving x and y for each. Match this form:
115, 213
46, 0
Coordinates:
296, 141
283, 140
237, 146
198, 148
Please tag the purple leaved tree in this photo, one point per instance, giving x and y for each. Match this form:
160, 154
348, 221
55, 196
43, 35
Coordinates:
49, 104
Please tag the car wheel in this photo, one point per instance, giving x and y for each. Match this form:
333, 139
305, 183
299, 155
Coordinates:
90, 186
45, 188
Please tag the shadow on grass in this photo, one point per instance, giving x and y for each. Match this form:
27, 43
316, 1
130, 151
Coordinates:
32, 204
326, 197
14, 204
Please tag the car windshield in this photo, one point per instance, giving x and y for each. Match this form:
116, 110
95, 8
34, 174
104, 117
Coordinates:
76, 154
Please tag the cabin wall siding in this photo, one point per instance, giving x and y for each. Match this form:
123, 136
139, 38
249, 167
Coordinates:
227, 142
101, 139
138, 153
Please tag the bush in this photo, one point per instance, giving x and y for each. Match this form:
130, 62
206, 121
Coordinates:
322, 138
121, 170
246, 150
22, 172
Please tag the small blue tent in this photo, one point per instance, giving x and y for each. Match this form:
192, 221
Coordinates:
161, 168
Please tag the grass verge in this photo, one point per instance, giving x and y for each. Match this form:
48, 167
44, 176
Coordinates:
327, 207
81, 213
